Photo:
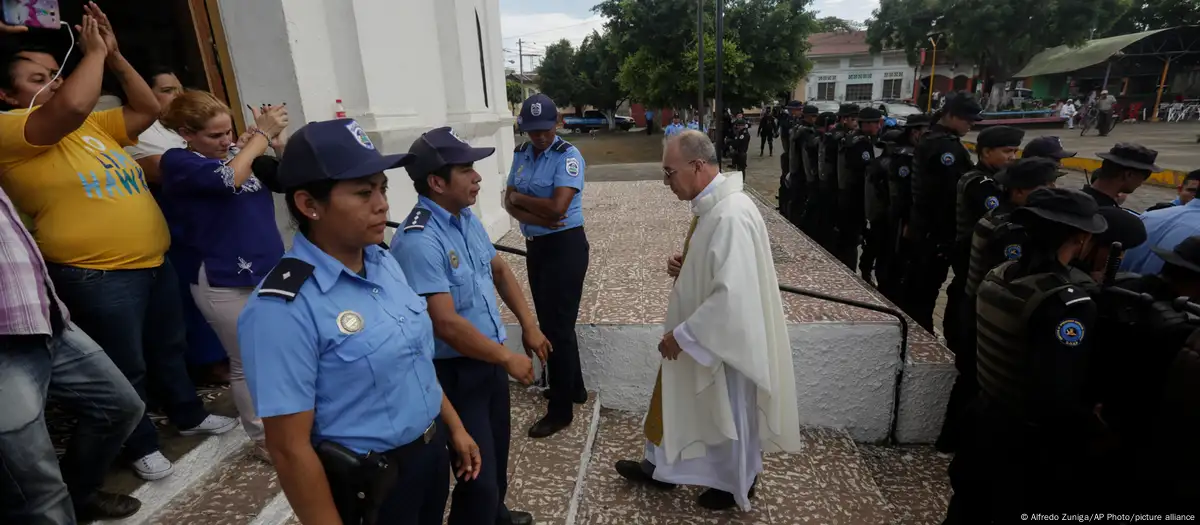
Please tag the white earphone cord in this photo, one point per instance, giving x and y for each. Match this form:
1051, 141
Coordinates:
60, 69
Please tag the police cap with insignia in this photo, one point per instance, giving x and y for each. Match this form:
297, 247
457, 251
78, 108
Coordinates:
1132, 156
810, 109
963, 105
869, 114
917, 121
442, 147
1000, 137
1048, 147
1029, 173
1124, 227
1185, 255
847, 110
538, 113
1072, 208
333, 150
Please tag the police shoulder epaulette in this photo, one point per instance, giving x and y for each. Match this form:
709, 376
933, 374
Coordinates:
286, 278
1073, 294
522, 147
561, 146
416, 220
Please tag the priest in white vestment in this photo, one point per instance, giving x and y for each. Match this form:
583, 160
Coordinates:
725, 391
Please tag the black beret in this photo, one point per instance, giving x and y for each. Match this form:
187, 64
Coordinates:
1000, 137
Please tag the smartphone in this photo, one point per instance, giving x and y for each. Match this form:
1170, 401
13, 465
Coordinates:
32, 13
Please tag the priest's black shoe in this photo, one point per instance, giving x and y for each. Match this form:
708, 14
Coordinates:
642, 472
517, 517
106, 506
578, 400
713, 499
547, 426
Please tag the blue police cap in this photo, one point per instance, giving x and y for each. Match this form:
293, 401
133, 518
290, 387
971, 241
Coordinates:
538, 113
442, 147
333, 150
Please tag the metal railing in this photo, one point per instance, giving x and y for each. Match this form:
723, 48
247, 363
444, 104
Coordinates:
822, 297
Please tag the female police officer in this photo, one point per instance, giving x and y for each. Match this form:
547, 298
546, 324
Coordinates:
338, 349
545, 186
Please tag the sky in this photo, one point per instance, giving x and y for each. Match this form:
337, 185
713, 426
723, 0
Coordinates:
539, 23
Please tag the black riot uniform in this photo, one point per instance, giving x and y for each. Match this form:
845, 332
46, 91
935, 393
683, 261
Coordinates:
814, 223
830, 162
977, 194
740, 144
899, 185
879, 243
939, 161
1168, 470
856, 153
1035, 417
787, 188
803, 131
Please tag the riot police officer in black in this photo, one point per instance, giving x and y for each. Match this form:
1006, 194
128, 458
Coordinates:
739, 143
815, 213
879, 244
830, 164
978, 193
899, 174
1123, 169
856, 153
800, 165
939, 161
1034, 416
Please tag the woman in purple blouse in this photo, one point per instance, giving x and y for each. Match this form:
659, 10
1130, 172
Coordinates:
227, 216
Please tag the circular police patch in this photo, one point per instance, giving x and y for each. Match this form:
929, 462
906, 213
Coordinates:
1012, 252
349, 322
573, 167
1070, 332
453, 259
991, 203
866, 156
535, 109
947, 159
360, 135
903, 171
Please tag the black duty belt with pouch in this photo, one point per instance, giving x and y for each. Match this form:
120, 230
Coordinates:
360, 483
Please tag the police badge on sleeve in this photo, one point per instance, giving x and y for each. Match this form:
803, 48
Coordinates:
572, 167
947, 159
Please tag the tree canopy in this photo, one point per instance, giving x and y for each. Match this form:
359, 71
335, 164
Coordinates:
556, 74
1000, 36
1145, 15
597, 67
833, 24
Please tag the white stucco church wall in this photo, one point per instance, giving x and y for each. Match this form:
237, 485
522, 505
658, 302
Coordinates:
400, 67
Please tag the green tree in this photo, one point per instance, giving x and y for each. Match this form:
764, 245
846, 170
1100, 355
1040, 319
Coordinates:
1146, 15
1000, 36
833, 24
773, 35
556, 74
514, 93
597, 68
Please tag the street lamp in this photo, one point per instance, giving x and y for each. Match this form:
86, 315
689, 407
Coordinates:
720, 105
932, 71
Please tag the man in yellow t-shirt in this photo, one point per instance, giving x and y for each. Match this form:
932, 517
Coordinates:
87, 197
101, 234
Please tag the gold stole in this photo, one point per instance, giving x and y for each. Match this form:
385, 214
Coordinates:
654, 419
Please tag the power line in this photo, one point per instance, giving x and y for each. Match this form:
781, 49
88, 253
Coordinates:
551, 29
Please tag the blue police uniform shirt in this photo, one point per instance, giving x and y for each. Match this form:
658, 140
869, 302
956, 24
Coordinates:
673, 129
372, 383
537, 177
1165, 229
441, 253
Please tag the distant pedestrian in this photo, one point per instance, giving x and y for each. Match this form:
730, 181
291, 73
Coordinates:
1104, 109
1067, 113
649, 122
766, 133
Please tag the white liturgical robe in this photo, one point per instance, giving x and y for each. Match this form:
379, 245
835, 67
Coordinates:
731, 395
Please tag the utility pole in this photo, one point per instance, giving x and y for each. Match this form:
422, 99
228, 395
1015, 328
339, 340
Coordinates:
521, 58
700, 66
720, 106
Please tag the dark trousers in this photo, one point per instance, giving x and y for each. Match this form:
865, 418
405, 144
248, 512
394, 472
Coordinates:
923, 279
799, 200
35, 486
137, 318
850, 224
875, 253
768, 142
557, 265
422, 484
739, 160
966, 385
479, 393
785, 198
1103, 122
890, 269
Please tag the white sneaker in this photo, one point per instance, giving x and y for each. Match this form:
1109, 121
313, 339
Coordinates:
212, 425
153, 466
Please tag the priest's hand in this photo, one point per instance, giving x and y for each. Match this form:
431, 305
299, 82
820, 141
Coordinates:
535, 343
674, 264
519, 366
669, 347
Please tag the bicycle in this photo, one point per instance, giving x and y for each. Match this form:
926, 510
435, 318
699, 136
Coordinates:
1091, 117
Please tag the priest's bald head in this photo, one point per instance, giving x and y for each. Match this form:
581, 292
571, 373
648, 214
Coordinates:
689, 163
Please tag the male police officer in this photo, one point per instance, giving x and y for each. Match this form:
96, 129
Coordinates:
899, 185
448, 258
802, 163
1123, 169
856, 152
1035, 414
829, 162
939, 161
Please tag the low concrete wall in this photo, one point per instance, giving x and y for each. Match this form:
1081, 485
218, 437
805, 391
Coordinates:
845, 372
924, 392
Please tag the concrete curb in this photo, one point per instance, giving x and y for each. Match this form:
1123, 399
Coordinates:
1167, 178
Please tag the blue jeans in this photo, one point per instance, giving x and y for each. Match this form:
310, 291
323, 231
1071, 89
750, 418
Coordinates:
71, 369
136, 316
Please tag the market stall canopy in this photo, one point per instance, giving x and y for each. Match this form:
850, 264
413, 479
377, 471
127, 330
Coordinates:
1063, 59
